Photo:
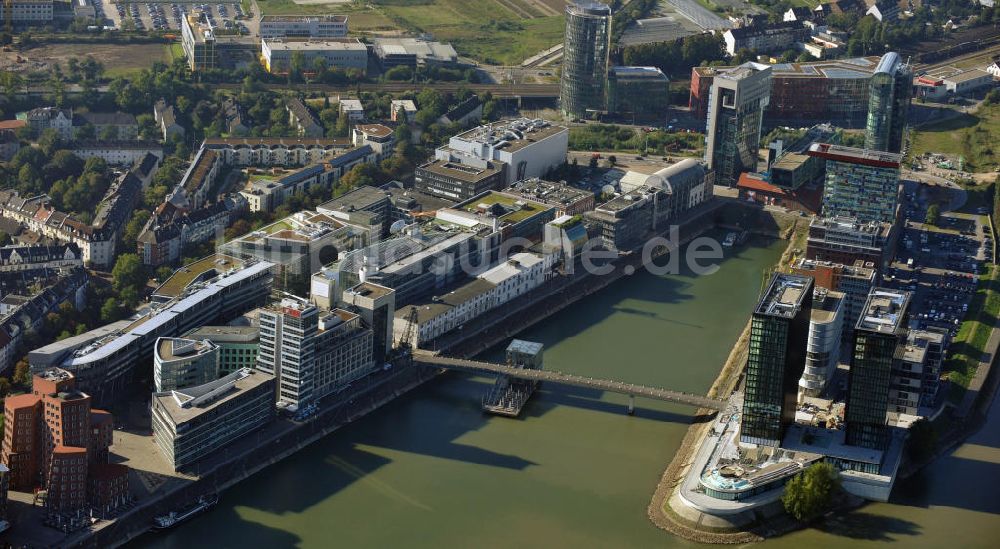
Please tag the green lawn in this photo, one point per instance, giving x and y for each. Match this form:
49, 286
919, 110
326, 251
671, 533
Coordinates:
175, 51
485, 30
970, 135
974, 333
360, 16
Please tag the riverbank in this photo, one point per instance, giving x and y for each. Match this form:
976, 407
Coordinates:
664, 506
264, 451
667, 511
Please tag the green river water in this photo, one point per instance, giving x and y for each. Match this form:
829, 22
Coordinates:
430, 470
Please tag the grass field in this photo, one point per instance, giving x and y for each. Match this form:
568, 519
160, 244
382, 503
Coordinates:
490, 31
361, 17
972, 135
974, 332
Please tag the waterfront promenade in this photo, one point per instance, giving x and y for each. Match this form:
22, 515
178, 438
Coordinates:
284, 438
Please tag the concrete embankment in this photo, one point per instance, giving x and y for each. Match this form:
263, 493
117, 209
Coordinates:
476, 337
666, 510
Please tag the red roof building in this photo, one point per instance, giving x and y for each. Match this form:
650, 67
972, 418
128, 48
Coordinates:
754, 189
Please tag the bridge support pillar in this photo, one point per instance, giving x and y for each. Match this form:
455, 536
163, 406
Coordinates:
630, 410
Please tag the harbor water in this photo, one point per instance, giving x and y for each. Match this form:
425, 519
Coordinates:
431, 470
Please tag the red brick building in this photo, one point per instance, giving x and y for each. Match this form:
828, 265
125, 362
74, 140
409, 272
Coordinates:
21, 434
66, 479
754, 189
52, 438
107, 487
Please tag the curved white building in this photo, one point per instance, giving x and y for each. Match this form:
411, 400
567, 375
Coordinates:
823, 345
180, 363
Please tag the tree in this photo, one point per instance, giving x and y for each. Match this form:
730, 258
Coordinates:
109, 311
22, 373
4, 386
810, 493
933, 214
922, 441
128, 272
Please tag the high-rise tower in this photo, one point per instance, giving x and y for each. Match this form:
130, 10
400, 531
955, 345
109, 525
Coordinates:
586, 47
779, 329
735, 111
888, 104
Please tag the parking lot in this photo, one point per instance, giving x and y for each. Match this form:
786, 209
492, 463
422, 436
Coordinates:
941, 264
165, 16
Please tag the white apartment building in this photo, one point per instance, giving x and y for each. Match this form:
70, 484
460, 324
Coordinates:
521, 273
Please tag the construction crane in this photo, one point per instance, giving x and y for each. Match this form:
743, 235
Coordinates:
406, 345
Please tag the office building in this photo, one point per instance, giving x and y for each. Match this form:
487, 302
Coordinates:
779, 330
855, 281
916, 375
860, 183
180, 363
300, 243
638, 93
586, 47
29, 12
363, 206
377, 307
52, 439
878, 336
341, 53
104, 360
889, 104
826, 323
522, 147
735, 112
193, 423
237, 345
287, 338
303, 26
845, 241
204, 48
428, 320
312, 353
565, 199
834, 91
459, 180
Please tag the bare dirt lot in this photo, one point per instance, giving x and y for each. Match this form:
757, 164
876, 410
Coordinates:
116, 58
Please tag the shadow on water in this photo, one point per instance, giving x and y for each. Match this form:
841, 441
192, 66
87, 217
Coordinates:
946, 483
240, 532
863, 526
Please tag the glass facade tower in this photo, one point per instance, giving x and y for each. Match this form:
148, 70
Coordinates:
878, 337
860, 183
735, 112
888, 104
776, 356
586, 47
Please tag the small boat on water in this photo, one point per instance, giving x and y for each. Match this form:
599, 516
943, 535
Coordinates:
736, 239
174, 518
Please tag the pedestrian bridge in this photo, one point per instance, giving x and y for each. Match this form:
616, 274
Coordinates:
427, 358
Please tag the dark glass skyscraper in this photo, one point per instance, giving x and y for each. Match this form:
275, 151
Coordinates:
880, 332
888, 104
779, 329
585, 57
735, 112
